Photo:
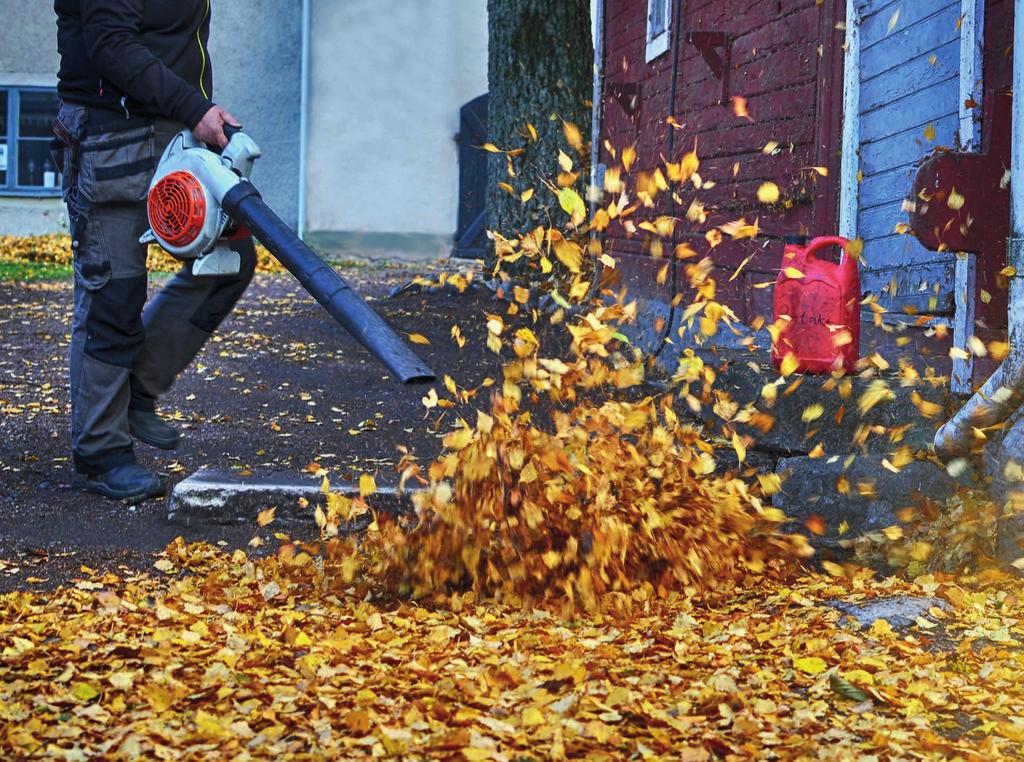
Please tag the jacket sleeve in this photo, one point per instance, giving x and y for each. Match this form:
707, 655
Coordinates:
112, 39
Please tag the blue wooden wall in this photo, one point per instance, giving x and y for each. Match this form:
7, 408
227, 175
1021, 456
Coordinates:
909, 71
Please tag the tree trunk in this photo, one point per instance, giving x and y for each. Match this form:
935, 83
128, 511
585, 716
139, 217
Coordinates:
541, 73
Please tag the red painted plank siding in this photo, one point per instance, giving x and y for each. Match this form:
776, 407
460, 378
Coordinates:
786, 60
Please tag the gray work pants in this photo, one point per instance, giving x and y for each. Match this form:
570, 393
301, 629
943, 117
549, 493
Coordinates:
123, 357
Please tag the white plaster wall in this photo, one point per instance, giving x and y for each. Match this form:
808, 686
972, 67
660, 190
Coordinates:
256, 49
387, 80
32, 216
28, 57
28, 43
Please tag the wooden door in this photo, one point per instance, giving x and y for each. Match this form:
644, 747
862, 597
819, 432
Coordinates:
909, 92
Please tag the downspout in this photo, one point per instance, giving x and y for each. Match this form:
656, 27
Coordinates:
1003, 394
304, 115
677, 19
596, 120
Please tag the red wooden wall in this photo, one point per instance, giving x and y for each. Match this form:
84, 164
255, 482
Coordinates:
786, 61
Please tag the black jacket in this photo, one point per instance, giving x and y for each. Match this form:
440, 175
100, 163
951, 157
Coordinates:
143, 57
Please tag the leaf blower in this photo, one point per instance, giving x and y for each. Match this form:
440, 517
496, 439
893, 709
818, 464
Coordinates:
199, 201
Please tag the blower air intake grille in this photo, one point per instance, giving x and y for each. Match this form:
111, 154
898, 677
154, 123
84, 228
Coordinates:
177, 209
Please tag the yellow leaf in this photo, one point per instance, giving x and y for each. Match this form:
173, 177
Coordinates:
662, 275
955, 200
532, 716
569, 254
812, 665
526, 195
739, 107
122, 681
491, 148
358, 722
881, 628
893, 533
458, 439
418, 338
84, 691
265, 517
793, 273
689, 166
507, 188
789, 365
893, 21
929, 133
628, 157
739, 447
768, 193
367, 485
564, 161
571, 203
813, 412
210, 726
572, 135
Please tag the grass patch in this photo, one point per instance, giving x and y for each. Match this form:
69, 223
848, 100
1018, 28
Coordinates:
27, 272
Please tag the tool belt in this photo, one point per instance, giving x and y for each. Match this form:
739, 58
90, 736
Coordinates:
111, 159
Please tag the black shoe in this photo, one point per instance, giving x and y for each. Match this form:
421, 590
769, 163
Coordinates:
148, 428
128, 482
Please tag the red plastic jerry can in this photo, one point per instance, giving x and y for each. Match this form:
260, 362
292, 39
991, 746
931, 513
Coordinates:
817, 309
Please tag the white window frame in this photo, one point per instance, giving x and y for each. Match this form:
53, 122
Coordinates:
12, 186
657, 45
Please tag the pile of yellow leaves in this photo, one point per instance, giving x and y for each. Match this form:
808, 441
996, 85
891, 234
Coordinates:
609, 503
226, 657
56, 250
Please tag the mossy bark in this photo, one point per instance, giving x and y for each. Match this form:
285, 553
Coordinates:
541, 73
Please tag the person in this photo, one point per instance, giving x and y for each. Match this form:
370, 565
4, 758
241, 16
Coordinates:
133, 73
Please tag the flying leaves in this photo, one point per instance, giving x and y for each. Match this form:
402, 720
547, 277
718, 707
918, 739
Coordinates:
768, 193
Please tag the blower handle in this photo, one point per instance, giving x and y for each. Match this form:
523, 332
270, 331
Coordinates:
230, 131
245, 205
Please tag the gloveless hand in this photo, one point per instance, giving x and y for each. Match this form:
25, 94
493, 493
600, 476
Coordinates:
210, 129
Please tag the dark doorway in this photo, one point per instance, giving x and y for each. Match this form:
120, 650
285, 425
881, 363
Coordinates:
470, 235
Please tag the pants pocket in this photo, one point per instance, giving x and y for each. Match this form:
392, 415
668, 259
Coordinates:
91, 259
117, 166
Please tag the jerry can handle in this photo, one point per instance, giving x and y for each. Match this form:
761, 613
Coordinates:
824, 242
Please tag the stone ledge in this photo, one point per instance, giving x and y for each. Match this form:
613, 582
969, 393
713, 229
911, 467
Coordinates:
211, 497
809, 488
900, 611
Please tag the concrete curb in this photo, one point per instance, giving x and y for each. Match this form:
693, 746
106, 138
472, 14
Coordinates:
211, 497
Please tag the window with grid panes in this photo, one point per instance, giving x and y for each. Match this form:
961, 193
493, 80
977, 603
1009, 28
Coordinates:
26, 118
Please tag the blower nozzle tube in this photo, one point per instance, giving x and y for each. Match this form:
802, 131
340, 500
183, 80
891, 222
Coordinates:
245, 205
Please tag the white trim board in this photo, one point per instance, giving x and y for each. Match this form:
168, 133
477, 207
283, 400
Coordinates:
658, 44
848, 189
972, 39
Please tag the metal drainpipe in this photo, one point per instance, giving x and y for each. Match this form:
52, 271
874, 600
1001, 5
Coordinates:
677, 18
304, 114
1003, 394
595, 131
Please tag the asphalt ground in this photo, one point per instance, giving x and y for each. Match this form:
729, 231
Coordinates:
279, 387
